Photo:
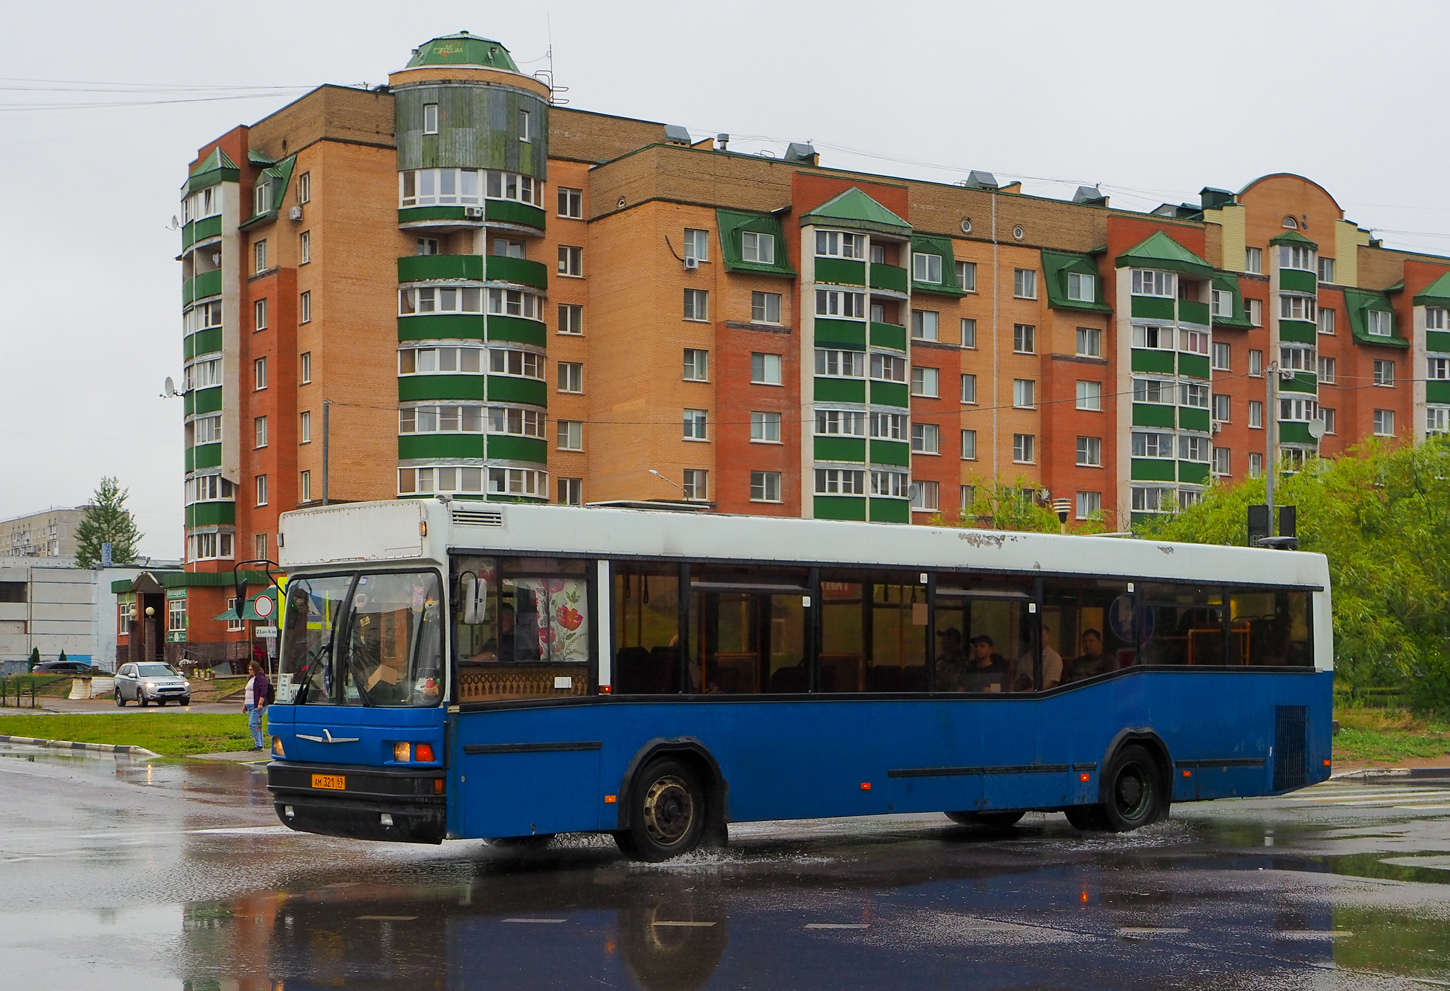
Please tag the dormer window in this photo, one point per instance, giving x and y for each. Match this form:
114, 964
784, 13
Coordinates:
757, 248
1297, 256
1082, 288
1291, 224
1148, 282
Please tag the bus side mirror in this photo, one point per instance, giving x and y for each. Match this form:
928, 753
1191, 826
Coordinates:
475, 599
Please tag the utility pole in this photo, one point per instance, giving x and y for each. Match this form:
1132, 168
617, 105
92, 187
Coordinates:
1271, 390
326, 429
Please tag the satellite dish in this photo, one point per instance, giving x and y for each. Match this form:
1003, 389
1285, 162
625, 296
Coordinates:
169, 389
1316, 428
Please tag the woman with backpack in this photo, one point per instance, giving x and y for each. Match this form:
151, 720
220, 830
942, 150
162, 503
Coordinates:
259, 693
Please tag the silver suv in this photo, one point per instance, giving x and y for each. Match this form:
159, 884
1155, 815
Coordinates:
151, 682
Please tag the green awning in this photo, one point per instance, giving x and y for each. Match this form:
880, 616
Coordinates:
733, 224
1056, 265
854, 210
1229, 282
1436, 293
1358, 302
1293, 237
1162, 252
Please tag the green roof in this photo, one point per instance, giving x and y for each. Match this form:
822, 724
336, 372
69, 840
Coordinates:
216, 167
927, 245
1055, 268
1360, 301
1436, 293
188, 579
463, 49
1229, 282
1293, 237
733, 224
855, 210
279, 176
1161, 251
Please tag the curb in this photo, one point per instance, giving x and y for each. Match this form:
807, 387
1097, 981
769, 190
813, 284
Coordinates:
1395, 774
102, 748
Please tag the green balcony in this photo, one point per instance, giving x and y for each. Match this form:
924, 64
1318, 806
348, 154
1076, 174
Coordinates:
203, 456
430, 446
441, 327
206, 341
890, 394
507, 389
1193, 472
202, 400
889, 277
505, 448
1152, 308
211, 514
829, 390
1193, 418
1193, 365
1192, 311
828, 507
1437, 341
841, 271
1294, 280
890, 510
1300, 382
420, 387
1153, 470
519, 271
840, 449
517, 330
204, 285
1295, 432
1298, 332
1437, 393
888, 335
509, 212
1152, 360
1153, 415
200, 230
425, 268
847, 334
891, 452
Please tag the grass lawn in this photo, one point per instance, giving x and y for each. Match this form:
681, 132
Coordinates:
1387, 735
160, 732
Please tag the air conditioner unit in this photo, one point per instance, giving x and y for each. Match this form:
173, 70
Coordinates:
691, 264
1217, 425
473, 212
295, 213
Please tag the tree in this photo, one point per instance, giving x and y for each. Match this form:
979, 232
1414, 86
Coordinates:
107, 521
1014, 506
34, 657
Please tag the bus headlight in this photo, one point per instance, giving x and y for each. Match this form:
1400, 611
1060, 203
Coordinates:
277, 750
402, 752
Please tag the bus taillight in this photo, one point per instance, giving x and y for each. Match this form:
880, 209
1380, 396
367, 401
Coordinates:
424, 752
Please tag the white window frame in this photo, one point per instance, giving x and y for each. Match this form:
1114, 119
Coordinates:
925, 325
304, 306
430, 118
1089, 503
765, 486
1024, 449
765, 427
1024, 393
1089, 395
926, 267
840, 304
259, 374
1089, 452
757, 248
569, 435
835, 363
570, 377
259, 432
766, 368
1254, 260
1081, 287
1024, 283
925, 496
925, 438
967, 276
695, 366
969, 333
304, 427
1384, 373
925, 381
261, 486
571, 319
765, 307
1089, 342
1154, 282
969, 445
1024, 338
696, 307
1256, 414
1379, 323
696, 425
840, 244
304, 248
1222, 356
570, 205
696, 244
696, 484
1384, 423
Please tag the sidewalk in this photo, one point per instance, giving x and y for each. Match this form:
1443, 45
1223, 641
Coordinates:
59, 706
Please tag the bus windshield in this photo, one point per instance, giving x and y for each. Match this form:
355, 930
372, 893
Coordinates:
366, 639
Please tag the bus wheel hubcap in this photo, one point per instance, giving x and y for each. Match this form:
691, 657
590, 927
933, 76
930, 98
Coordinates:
669, 810
1132, 792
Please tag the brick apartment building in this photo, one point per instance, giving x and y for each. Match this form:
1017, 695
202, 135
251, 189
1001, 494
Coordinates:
485, 295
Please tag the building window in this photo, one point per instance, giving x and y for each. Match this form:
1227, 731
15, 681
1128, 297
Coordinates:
969, 391
842, 423
259, 374
175, 615
1221, 303
571, 319
925, 268
1222, 460
1254, 260
304, 427
1089, 395
526, 130
756, 248
697, 365
888, 368
1221, 405
969, 333
1435, 318
925, 496
304, 486
571, 491
1296, 307
259, 315
1256, 363
1256, 464
1326, 269
1296, 256
1222, 357
259, 256
206, 430
430, 118
1195, 394
1090, 452
305, 371
924, 325
570, 435
1089, 342
836, 303
836, 244
840, 481
1083, 288
1330, 418
887, 426
571, 261
1379, 323
259, 432
1024, 283
1436, 369
924, 382
968, 498
765, 486
1158, 338
1256, 414
261, 481
840, 364
925, 438
1384, 373
428, 246
1151, 499
1024, 393
237, 624
1384, 423
764, 427
889, 483
1193, 447
1153, 391
697, 244
1024, 338
1296, 359
507, 248
571, 203
695, 425
304, 307
969, 445
696, 483
1024, 449
1437, 419
304, 188
1326, 321
429, 361
765, 369
1151, 282
571, 376
443, 420
697, 304
1254, 309
1152, 445
304, 247
1089, 503
765, 307
967, 276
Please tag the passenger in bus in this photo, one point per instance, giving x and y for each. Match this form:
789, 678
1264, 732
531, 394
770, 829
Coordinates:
1024, 673
951, 662
986, 669
503, 647
1092, 661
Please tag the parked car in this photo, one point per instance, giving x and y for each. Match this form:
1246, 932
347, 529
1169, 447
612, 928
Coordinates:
151, 681
78, 668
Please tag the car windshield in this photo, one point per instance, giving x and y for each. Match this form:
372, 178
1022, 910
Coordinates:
157, 671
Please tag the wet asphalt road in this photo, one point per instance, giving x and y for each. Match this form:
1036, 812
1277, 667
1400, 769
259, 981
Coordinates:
177, 875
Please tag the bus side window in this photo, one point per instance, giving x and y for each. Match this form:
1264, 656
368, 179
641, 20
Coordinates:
646, 627
1181, 624
873, 632
983, 633
1083, 623
1271, 627
747, 630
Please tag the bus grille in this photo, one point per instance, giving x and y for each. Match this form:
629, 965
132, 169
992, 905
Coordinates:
1290, 746
478, 517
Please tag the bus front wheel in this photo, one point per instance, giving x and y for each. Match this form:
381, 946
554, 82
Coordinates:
1133, 791
667, 813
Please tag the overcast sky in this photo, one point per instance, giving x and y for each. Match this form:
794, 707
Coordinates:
1152, 100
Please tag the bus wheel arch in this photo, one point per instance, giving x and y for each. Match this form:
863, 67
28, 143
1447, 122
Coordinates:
676, 768
1135, 787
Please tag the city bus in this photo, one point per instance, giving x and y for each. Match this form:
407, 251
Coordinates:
454, 669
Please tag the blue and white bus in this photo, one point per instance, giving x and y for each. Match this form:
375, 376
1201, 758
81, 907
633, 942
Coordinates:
453, 670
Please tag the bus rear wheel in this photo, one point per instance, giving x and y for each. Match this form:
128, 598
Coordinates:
987, 820
667, 813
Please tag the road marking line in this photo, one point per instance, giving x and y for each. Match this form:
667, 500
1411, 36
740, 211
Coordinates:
684, 925
387, 918
540, 921
837, 925
1313, 933
1149, 931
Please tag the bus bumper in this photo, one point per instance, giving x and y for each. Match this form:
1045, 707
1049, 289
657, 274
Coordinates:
364, 803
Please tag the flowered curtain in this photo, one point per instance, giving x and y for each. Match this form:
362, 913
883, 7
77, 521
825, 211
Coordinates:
563, 625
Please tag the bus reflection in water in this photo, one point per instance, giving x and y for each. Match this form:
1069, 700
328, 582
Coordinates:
450, 671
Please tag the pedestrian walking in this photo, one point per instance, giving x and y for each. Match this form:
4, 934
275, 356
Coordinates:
259, 693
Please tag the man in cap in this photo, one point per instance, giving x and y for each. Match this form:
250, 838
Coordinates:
986, 669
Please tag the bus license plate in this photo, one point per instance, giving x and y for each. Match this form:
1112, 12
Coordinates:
335, 782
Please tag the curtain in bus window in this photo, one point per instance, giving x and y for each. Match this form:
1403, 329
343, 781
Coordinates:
1270, 627
983, 632
646, 629
305, 668
873, 632
1181, 624
393, 654
747, 631
1082, 622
